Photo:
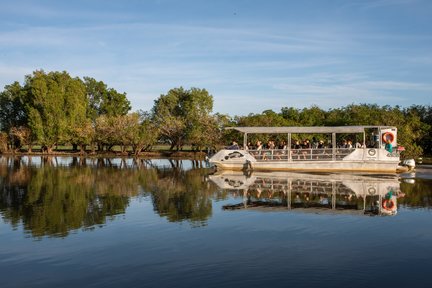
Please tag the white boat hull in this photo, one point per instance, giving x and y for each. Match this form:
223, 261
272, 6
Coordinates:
358, 160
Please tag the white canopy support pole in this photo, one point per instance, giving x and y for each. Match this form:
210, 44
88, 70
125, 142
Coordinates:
364, 140
289, 147
333, 146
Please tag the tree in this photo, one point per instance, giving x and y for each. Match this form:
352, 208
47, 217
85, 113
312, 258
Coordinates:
180, 114
292, 115
313, 116
12, 112
424, 113
103, 100
56, 105
267, 118
143, 134
83, 135
23, 136
3, 142
105, 132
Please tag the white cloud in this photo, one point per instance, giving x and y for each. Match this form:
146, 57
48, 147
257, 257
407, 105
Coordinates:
245, 66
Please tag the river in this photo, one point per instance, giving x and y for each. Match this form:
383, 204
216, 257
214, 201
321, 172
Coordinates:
112, 222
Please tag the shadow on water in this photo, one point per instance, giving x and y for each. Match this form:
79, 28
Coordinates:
52, 196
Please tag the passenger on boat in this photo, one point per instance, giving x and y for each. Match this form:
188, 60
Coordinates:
306, 145
259, 145
295, 152
323, 200
343, 144
315, 143
249, 146
282, 149
389, 146
269, 153
270, 144
297, 198
234, 146
258, 149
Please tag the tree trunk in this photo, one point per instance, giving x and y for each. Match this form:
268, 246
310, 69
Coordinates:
49, 149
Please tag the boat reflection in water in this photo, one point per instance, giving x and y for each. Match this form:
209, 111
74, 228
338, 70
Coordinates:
316, 193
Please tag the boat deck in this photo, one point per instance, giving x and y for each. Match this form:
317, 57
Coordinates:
317, 154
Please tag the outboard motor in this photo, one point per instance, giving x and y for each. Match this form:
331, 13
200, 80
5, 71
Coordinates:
409, 163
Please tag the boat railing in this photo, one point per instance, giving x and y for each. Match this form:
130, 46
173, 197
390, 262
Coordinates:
309, 154
301, 186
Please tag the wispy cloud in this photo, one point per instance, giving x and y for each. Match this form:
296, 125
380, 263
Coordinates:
371, 4
247, 63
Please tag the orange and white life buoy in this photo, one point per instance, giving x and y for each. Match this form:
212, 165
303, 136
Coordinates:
388, 136
388, 204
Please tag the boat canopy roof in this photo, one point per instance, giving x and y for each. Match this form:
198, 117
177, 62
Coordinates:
314, 129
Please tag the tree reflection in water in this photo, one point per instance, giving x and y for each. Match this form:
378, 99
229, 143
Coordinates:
52, 198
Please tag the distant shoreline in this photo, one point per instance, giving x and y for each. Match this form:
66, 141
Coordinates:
149, 154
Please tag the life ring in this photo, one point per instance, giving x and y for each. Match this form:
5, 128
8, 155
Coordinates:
388, 136
388, 204
371, 190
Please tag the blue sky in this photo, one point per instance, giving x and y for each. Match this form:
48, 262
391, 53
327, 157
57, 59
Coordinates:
250, 55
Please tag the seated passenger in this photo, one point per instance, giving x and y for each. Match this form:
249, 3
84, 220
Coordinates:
234, 146
389, 146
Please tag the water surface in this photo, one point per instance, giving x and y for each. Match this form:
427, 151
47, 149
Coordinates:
71, 222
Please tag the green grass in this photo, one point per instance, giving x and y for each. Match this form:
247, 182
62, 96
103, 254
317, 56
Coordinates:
116, 148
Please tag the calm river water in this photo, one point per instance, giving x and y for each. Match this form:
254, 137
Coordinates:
71, 222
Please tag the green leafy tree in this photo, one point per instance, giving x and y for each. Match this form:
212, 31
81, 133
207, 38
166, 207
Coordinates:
180, 113
56, 104
292, 115
143, 134
105, 132
12, 112
83, 135
267, 118
425, 115
103, 100
313, 116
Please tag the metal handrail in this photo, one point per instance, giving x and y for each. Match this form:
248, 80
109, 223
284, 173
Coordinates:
311, 154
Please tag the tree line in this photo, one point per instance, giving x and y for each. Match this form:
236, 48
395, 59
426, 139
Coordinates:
53, 108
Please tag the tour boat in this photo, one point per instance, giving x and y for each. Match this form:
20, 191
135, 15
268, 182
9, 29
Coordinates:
367, 151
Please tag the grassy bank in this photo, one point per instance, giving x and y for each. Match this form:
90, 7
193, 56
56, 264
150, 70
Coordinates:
116, 151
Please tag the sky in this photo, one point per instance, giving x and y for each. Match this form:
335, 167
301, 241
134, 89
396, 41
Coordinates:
250, 55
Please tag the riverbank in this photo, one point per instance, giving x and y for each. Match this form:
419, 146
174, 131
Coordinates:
198, 155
